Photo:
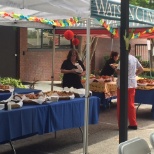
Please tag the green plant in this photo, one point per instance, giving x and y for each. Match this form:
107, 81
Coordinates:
61, 76
145, 64
138, 57
96, 72
105, 58
147, 75
12, 82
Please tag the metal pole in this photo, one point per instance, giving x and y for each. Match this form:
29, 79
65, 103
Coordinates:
86, 116
53, 57
111, 43
123, 72
150, 62
152, 54
149, 55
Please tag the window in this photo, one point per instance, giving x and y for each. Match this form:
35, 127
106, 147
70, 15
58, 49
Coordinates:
43, 39
34, 38
141, 52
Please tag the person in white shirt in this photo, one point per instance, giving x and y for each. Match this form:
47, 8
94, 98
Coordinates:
134, 69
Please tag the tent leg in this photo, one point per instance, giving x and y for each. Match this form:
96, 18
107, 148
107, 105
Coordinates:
53, 56
111, 42
14, 151
86, 116
81, 132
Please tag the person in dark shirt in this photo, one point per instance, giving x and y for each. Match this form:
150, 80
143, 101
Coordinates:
72, 69
108, 69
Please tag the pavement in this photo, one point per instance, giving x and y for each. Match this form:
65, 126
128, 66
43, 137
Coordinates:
103, 137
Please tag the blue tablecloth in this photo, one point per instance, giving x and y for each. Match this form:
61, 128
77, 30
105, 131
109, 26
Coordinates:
145, 97
4, 96
45, 118
104, 101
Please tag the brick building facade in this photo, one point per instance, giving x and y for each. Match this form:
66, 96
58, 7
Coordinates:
37, 63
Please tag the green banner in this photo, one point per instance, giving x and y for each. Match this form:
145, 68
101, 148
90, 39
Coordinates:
111, 10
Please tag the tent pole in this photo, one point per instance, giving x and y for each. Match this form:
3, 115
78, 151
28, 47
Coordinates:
150, 62
152, 54
111, 42
149, 55
53, 57
86, 116
123, 119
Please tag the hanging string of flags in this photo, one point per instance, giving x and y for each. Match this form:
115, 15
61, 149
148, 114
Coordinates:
69, 22
114, 31
58, 23
140, 34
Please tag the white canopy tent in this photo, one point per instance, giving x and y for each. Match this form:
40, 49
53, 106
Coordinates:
59, 9
47, 9
65, 9
8, 21
54, 9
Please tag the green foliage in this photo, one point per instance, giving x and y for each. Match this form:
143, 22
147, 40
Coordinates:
48, 31
138, 57
12, 82
32, 34
147, 75
145, 64
61, 76
105, 59
96, 72
143, 3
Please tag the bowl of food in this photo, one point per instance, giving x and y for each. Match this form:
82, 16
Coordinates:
142, 84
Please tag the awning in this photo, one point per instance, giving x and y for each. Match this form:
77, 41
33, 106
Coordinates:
103, 33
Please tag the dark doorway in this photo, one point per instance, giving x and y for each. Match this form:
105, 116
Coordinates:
8, 51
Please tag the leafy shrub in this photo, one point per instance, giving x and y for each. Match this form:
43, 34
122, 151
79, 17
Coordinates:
12, 82
147, 75
145, 64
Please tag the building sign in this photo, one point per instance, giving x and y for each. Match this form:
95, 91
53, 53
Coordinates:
111, 10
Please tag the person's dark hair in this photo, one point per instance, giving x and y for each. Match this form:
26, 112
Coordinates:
71, 52
114, 54
129, 48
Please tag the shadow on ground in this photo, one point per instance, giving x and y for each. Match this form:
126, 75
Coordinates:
70, 140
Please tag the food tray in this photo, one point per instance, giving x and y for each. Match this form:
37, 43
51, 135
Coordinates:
145, 87
33, 102
55, 96
58, 98
6, 89
107, 80
10, 104
142, 84
31, 98
150, 84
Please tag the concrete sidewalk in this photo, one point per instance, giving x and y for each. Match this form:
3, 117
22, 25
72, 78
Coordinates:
45, 85
103, 137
